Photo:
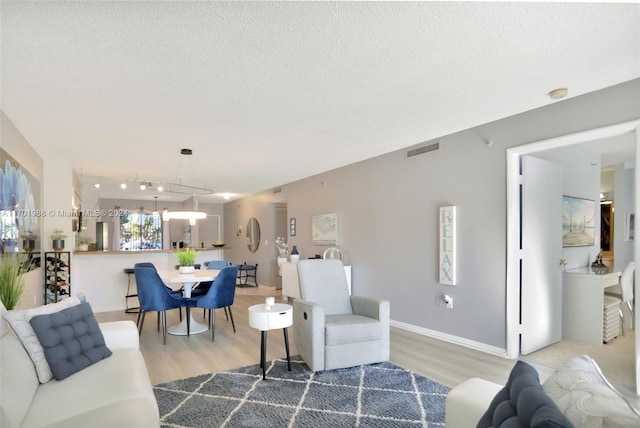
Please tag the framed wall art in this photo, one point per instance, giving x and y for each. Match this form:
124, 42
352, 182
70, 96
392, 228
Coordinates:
292, 226
578, 222
20, 210
630, 225
324, 229
447, 244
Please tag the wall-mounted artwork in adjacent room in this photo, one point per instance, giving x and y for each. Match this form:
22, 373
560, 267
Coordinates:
578, 222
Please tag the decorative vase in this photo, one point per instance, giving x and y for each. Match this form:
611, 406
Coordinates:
58, 244
295, 256
83, 247
186, 269
29, 245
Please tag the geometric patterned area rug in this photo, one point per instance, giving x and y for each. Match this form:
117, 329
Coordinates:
376, 395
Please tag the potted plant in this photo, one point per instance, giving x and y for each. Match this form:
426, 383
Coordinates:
82, 243
58, 239
29, 241
11, 279
186, 260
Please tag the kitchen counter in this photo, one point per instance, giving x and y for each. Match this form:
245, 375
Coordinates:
101, 277
80, 253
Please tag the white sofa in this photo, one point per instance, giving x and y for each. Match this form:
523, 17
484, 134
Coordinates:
466, 403
114, 392
578, 389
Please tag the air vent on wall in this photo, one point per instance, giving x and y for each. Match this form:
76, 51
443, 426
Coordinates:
277, 190
423, 149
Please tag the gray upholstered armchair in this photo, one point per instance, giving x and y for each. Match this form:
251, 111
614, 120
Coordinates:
333, 329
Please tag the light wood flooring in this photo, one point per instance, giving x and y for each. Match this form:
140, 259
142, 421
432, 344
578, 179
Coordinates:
186, 356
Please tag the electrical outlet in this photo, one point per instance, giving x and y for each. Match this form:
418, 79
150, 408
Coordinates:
448, 301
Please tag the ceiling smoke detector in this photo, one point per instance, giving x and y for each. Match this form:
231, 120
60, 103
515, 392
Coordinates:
558, 94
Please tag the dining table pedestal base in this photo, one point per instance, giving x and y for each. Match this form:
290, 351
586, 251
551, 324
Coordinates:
181, 329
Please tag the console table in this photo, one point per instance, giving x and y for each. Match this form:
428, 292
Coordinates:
583, 302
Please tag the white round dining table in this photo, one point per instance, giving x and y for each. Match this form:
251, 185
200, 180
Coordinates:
186, 281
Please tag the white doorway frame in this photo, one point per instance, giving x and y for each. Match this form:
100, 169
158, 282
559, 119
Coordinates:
513, 217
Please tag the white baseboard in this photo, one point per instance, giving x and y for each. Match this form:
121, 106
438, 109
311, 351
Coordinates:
456, 340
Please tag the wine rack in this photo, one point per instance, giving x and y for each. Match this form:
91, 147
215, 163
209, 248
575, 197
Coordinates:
57, 277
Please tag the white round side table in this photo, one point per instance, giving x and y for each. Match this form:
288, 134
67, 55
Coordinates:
264, 319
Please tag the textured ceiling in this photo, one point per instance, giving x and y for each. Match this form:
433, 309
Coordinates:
267, 93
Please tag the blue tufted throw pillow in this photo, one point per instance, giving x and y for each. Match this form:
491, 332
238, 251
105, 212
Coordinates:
523, 403
71, 339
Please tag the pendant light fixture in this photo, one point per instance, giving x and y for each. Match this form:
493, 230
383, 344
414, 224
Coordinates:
155, 213
194, 215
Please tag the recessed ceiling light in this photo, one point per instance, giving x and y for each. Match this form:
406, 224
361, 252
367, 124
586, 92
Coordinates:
558, 94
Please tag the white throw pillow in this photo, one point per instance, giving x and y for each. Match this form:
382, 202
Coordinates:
21, 325
587, 398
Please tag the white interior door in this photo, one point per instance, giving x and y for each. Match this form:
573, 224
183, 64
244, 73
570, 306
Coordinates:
636, 256
541, 245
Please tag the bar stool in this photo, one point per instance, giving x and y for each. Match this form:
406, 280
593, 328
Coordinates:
129, 295
246, 271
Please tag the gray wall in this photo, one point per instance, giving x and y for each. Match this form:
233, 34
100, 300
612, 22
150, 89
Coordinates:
387, 208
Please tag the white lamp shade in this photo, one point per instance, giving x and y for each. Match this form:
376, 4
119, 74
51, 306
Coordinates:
184, 215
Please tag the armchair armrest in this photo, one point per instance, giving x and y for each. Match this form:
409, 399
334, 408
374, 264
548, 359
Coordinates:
120, 335
371, 307
309, 334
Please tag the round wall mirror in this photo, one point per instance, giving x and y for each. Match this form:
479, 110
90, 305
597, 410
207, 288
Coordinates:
253, 234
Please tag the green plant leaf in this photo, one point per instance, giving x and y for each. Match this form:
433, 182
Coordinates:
186, 257
12, 267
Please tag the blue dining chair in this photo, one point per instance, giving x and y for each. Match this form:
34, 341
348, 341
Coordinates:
174, 293
154, 295
220, 295
204, 286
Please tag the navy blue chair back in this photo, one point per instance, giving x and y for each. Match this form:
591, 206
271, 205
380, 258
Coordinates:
222, 291
153, 294
145, 264
217, 264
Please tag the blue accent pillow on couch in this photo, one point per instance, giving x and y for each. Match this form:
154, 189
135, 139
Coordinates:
523, 403
71, 339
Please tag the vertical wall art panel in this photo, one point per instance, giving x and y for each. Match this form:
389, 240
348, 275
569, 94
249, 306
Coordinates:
447, 238
19, 210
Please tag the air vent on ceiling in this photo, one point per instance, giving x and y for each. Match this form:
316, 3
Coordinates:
277, 190
423, 149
